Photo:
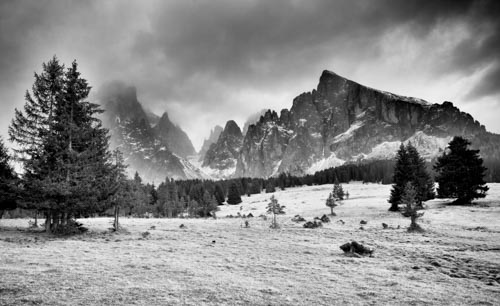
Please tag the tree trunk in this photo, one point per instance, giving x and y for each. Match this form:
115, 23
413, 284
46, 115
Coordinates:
116, 225
48, 222
1, 213
331, 208
36, 219
64, 218
394, 207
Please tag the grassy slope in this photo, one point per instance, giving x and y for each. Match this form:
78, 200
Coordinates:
213, 262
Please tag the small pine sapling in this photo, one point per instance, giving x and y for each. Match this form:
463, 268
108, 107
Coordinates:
411, 209
275, 209
338, 191
330, 202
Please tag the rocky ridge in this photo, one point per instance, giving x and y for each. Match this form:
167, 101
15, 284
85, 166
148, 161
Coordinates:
343, 121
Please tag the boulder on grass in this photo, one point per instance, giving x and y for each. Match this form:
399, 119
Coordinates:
313, 224
356, 248
298, 218
325, 219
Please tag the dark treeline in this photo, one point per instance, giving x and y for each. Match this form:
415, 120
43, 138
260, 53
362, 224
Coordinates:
200, 198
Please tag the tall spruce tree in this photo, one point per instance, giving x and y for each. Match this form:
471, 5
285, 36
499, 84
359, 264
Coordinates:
63, 147
8, 178
460, 173
410, 167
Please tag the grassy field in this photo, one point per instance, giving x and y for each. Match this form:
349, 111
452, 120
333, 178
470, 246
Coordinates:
220, 262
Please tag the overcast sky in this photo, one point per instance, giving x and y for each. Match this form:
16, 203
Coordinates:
206, 62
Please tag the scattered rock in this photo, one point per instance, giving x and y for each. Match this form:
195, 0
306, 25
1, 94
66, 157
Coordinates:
152, 227
298, 218
435, 263
416, 268
182, 226
313, 224
361, 228
385, 226
250, 215
341, 221
355, 247
145, 234
247, 224
363, 222
325, 219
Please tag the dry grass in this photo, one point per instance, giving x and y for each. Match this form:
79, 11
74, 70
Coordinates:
213, 262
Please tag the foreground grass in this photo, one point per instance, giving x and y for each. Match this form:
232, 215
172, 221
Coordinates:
214, 262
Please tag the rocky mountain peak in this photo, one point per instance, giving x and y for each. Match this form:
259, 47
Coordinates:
232, 129
146, 149
212, 138
173, 137
220, 159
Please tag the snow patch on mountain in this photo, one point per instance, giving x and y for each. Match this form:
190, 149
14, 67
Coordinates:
226, 173
325, 163
193, 171
349, 133
428, 147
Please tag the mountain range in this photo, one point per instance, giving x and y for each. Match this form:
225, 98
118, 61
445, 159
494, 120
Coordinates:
339, 122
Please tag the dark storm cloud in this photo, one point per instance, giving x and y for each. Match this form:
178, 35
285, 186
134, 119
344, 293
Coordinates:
265, 43
223, 59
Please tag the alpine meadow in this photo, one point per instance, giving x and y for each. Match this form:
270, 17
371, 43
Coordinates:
244, 153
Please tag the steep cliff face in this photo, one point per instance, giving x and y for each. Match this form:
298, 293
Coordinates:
212, 138
173, 137
132, 133
344, 121
221, 156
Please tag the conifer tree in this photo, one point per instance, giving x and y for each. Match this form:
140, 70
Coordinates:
8, 178
219, 194
460, 173
410, 167
330, 202
233, 194
63, 147
275, 209
338, 191
400, 177
123, 193
412, 207
421, 181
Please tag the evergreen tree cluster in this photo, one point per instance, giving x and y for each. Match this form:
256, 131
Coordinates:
62, 146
